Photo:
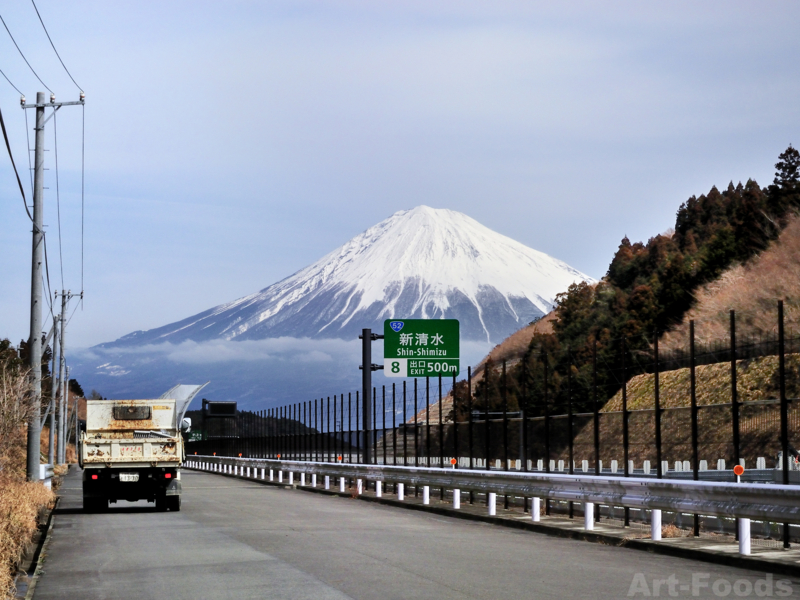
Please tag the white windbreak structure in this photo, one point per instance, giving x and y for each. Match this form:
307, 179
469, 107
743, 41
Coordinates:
183, 394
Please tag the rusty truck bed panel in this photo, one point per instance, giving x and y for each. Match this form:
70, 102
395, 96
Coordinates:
100, 415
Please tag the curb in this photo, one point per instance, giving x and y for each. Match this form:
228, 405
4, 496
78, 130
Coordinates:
732, 560
34, 571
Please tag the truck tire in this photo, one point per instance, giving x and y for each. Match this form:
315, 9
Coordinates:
161, 503
174, 503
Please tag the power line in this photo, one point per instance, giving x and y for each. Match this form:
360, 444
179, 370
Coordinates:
11, 84
58, 198
23, 56
13, 164
54, 47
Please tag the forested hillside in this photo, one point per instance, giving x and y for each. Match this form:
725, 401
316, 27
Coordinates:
648, 289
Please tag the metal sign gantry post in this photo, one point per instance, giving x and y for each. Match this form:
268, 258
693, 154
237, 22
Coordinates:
367, 367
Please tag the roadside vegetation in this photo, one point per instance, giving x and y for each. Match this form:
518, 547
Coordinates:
20, 501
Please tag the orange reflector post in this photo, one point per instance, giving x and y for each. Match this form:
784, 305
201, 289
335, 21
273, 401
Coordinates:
452, 461
738, 470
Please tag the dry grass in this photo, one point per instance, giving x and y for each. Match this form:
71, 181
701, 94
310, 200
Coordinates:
670, 531
752, 290
20, 501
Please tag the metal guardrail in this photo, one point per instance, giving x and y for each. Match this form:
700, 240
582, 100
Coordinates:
46, 474
769, 502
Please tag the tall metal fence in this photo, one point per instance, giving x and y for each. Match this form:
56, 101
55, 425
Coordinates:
702, 407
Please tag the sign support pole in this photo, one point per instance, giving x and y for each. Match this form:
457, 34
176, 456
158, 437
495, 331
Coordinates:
367, 337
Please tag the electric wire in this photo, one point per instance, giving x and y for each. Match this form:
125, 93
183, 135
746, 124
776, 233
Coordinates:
23, 56
13, 164
28, 139
54, 46
11, 84
58, 198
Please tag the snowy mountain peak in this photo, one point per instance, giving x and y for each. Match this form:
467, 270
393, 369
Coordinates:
418, 263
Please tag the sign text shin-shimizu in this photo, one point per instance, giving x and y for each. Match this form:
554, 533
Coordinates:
421, 347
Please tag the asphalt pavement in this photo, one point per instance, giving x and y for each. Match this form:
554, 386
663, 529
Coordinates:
240, 539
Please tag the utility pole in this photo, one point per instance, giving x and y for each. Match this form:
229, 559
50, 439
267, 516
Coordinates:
54, 372
35, 334
62, 371
35, 337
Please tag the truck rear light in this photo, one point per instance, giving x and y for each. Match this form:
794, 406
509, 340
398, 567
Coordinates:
94, 476
167, 475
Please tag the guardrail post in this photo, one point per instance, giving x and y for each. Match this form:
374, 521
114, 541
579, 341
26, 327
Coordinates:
271, 475
588, 516
360, 486
536, 509
291, 477
426, 494
456, 499
341, 484
327, 482
492, 503
744, 536
263, 474
313, 480
302, 478
655, 524
280, 476
378, 488
401, 491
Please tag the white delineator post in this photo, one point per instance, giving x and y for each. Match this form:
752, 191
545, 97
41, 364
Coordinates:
302, 478
263, 474
327, 482
378, 488
426, 494
401, 491
271, 475
456, 499
588, 516
744, 536
280, 476
536, 509
291, 477
655, 524
248, 472
492, 504
341, 484
313, 480
360, 486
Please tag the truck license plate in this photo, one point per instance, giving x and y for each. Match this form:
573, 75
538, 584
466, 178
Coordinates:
129, 477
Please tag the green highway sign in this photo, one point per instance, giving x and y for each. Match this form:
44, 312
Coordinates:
420, 347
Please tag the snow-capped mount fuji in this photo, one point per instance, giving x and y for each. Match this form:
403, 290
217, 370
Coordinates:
418, 263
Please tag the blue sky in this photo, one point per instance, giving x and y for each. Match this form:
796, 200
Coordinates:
229, 144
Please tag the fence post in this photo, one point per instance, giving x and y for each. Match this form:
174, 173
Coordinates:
657, 394
734, 393
693, 391
469, 425
546, 433
655, 524
455, 420
394, 426
784, 410
427, 421
595, 410
405, 425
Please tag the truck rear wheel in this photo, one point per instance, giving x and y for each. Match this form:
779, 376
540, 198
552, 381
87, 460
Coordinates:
174, 503
161, 503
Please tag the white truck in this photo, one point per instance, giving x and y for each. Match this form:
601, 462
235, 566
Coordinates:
132, 450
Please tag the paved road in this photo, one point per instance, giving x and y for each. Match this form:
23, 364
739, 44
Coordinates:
238, 539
